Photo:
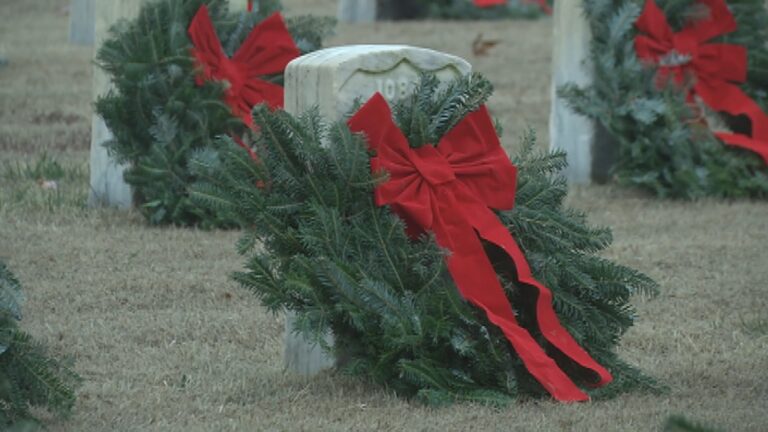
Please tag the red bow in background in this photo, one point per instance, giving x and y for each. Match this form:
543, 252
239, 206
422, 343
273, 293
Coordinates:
716, 68
250, 5
488, 3
267, 50
448, 189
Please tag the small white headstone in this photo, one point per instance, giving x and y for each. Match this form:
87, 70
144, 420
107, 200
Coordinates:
567, 130
107, 185
332, 79
81, 22
356, 11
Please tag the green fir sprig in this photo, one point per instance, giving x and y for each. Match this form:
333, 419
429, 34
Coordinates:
29, 377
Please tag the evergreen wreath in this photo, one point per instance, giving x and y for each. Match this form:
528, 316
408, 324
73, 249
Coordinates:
665, 134
166, 105
317, 244
28, 376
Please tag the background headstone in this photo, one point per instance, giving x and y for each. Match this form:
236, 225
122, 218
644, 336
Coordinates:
590, 148
107, 185
332, 79
82, 28
356, 11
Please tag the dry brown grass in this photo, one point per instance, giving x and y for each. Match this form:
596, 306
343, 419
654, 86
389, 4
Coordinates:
165, 342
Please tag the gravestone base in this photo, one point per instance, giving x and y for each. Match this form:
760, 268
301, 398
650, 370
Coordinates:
301, 356
333, 80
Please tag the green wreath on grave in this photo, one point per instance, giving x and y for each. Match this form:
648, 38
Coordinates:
399, 284
29, 377
185, 72
682, 87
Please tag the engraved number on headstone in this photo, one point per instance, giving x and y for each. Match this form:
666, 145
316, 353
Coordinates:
393, 90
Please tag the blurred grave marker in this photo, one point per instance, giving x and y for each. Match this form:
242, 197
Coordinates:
356, 11
82, 29
333, 79
107, 185
591, 153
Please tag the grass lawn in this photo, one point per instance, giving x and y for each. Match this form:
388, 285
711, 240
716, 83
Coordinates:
166, 342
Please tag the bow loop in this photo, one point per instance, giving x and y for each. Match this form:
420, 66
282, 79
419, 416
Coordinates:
719, 21
267, 50
475, 153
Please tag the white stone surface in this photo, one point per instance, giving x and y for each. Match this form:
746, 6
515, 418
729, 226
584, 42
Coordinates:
567, 130
332, 79
81, 22
107, 185
356, 11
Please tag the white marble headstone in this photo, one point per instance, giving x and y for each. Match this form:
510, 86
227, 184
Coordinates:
82, 26
107, 185
356, 11
590, 153
332, 79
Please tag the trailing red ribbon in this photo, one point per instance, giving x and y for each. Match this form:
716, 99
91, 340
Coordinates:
448, 189
488, 3
267, 50
250, 5
239, 141
715, 67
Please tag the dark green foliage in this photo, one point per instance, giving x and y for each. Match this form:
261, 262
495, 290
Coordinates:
318, 245
157, 113
466, 9
678, 423
28, 376
662, 147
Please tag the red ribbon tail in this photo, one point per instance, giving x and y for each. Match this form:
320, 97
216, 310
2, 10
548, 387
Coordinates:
491, 229
729, 98
239, 141
477, 282
250, 5
739, 140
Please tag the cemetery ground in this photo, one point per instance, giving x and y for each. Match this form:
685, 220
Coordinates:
165, 341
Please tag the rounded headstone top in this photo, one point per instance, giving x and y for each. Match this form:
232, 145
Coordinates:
333, 78
384, 55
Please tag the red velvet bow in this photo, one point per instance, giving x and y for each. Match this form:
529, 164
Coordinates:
448, 189
267, 50
488, 3
715, 67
